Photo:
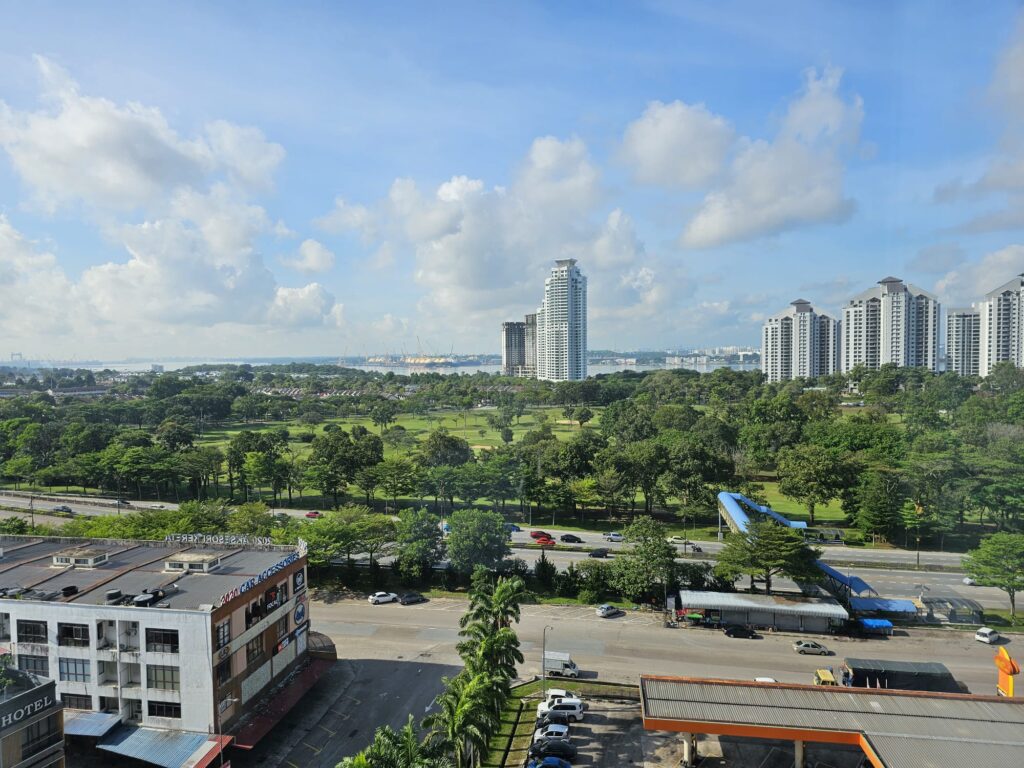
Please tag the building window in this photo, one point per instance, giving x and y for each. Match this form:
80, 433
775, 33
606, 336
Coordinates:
224, 672
74, 670
39, 665
282, 627
253, 651
164, 709
165, 678
162, 640
75, 635
39, 736
31, 631
72, 701
223, 634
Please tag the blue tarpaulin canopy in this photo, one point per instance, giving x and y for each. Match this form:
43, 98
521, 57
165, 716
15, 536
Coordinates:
876, 624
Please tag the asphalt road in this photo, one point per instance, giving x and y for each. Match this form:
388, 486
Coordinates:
634, 643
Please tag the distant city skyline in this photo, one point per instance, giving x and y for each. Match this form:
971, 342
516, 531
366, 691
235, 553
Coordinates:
312, 180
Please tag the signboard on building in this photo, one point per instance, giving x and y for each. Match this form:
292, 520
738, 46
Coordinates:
255, 580
223, 539
16, 710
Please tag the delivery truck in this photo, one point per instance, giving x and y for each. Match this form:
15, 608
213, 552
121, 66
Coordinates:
560, 664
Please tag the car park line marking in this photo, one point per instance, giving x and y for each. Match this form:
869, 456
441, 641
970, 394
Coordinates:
317, 751
324, 727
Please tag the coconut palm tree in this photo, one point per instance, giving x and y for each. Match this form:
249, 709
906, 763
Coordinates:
468, 714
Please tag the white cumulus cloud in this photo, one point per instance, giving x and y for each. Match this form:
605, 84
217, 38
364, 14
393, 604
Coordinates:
313, 256
677, 144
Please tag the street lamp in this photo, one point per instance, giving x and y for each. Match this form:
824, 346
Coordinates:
543, 660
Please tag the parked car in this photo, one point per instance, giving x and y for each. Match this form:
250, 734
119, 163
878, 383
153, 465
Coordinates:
600, 552
735, 630
607, 611
986, 635
411, 598
811, 648
314, 514
968, 581
570, 538
549, 762
382, 597
765, 680
544, 542
572, 707
678, 540
559, 718
551, 732
62, 508
512, 528
553, 747
614, 536
540, 535
554, 694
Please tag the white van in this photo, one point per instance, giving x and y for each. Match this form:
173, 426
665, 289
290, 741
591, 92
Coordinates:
571, 707
986, 635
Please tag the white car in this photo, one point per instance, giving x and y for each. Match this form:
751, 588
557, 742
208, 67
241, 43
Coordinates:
554, 694
552, 731
382, 597
614, 536
765, 680
968, 581
572, 707
986, 635
606, 611
678, 540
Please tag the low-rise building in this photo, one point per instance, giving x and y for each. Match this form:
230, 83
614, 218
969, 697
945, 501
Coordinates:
184, 636
31, 722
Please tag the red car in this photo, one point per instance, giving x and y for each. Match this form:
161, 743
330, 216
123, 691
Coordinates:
545, 541
540, 535
314, 513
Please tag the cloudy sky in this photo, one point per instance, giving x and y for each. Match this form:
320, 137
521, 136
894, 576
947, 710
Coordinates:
316, 178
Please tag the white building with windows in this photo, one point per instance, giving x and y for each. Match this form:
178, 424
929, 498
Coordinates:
894, 322
562, 325
963, 340
513, 348
183, 637
799, 343
1001, 331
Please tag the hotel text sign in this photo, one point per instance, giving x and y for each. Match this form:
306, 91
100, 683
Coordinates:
7, 719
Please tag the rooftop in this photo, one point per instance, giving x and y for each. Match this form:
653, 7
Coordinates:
28, 570
903, 729
803, 606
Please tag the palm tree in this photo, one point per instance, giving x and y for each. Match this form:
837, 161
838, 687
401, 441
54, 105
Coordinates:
468, 713
488, 652
401, 749
494, 604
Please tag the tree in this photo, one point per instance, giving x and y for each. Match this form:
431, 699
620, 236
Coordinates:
384, 414
647, 563
476, 538
443, 449
999, 562
583, 415
880, 500
174, 436
253, 519
812, 476
766, 550
419, 543
397, 477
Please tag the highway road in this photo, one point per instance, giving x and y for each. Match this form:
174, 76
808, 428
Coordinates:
634, 643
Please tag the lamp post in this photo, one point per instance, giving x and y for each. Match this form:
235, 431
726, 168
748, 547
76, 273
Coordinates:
543, 660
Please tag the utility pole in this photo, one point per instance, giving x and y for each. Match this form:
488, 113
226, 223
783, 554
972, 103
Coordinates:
543, 660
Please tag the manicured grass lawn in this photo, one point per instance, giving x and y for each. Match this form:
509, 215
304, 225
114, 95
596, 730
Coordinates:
829, 513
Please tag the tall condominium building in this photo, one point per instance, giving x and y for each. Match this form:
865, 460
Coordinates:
1002, 326
799, 343
530, 338
562, 325
894, 322
963, 337
513, 348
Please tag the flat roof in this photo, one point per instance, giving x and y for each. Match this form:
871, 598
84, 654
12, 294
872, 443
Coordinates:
825, 607
895, 729
132, 567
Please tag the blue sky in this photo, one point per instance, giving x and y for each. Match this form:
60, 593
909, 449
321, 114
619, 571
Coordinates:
326, 178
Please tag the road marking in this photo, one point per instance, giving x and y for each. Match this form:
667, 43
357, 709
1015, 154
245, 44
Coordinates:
307, 744
325, 728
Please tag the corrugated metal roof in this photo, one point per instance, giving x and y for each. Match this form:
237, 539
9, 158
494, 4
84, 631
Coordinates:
806, 606
169, 749
905, 729
82, 723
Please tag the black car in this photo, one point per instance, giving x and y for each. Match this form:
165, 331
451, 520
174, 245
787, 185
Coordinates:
411, 598
737, 631
601, 552
556, 747
570, 538
553, 717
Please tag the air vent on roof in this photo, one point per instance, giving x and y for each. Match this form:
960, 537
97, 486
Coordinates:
69, 590
193, 562
82, 557
113, 595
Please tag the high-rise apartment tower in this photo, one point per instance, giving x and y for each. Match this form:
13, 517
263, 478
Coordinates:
894, 322
1002, 326
562, 325
963, 340
513, 348
799, 343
